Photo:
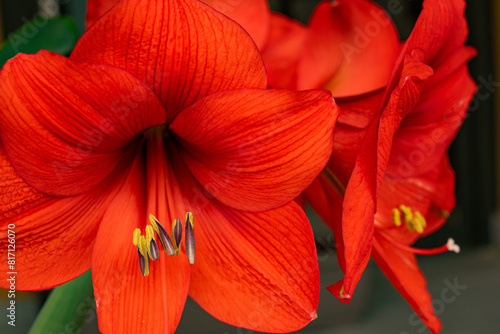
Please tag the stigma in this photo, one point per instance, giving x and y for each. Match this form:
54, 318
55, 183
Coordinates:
148, 249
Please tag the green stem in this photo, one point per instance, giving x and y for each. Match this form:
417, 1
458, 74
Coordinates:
66, 308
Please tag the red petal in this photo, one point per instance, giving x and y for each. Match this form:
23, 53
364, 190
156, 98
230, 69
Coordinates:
252, 15
402, 270
402, 101
54, 237
351, 48
97, 8
257, 149
183, 50
427, 131
62, 134
282, 51
255, 270
357, 215
440, 30
128, 302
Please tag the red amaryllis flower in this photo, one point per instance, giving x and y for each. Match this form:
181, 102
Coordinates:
393, 172
162, 109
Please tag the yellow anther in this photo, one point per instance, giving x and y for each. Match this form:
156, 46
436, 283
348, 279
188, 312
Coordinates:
149, 233
177, 235
417, 225
396, 217
153, 220
137, 234
143, 250
151, 243
189, 238
407, 214
421, 218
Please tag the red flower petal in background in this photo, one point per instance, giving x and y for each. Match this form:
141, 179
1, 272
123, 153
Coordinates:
350, 48
409, 97
253, 15
96, 9
282, 50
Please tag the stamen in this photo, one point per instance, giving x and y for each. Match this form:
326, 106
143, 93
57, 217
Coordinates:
190, 242
137, 234
418, 222
177, 235
153, 250
414, 221
408, 215
162, 235
147, 247
143, 256
396, 217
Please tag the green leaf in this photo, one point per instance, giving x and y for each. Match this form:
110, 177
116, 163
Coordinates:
57, 35
66, 308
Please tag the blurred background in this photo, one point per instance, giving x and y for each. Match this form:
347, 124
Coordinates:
474, 224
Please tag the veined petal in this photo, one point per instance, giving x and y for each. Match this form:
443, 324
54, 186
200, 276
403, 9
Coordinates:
182, 49
127, 301
402, 270
16, 196
256, 270
252, 15
54, 237
440, 30
358, 217
351, 48
257, 149
66, 125
427, 131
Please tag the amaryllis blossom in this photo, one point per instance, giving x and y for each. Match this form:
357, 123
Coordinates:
388, 181
161, 113
392, 171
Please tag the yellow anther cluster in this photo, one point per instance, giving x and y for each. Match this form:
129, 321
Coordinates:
414, 221
147, 246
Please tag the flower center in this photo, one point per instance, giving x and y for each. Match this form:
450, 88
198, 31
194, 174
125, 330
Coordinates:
147, 247
155, 131
414, 221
